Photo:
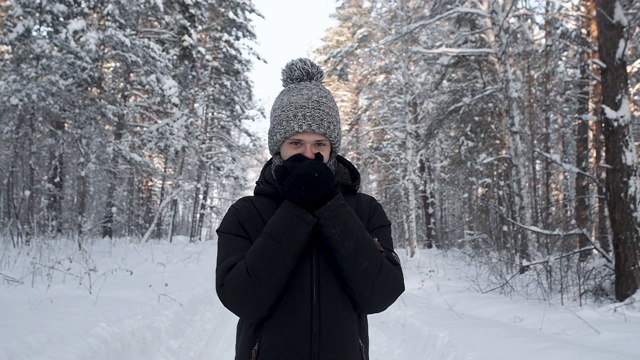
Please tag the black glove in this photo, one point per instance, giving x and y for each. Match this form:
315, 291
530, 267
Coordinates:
309, 184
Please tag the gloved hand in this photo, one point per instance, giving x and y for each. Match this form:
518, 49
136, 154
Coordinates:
307, 183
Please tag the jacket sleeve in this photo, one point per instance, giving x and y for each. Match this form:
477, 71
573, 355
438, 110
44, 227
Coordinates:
252, 272
362, 248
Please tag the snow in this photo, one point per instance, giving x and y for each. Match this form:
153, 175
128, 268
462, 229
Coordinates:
620, 50
622, 116
618, 15
125, 301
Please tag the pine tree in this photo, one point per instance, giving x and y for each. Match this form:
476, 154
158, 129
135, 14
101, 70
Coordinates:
112, 110
621, 158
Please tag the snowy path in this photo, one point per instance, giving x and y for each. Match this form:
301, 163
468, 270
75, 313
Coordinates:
166, 309
424, 328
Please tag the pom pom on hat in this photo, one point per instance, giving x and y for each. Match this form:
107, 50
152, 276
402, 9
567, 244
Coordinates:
301, 70
304, 105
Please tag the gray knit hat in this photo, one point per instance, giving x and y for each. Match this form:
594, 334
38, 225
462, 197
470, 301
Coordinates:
304, 105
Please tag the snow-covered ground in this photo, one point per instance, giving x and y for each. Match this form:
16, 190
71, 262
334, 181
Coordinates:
157, 301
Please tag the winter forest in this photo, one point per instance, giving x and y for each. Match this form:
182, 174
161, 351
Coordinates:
501, 128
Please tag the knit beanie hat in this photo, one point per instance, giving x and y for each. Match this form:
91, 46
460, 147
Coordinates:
304, 105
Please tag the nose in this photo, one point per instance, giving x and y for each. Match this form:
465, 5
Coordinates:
308, 152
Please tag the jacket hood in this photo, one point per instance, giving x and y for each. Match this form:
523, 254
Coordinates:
346, 172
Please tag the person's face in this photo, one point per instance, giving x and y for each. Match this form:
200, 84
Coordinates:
307, 144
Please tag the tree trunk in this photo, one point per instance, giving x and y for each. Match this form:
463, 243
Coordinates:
427, 196
520, 192
620, 153
194, 214
107, 226
410, 178
549, 65
81, 196
31, 216
56, 179
174, 202
12, 215
203, 207
158, 223
581, 210
602, 229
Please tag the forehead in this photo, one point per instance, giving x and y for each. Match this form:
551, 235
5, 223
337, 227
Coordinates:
308, 137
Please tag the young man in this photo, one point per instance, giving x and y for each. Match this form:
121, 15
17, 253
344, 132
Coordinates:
306, 258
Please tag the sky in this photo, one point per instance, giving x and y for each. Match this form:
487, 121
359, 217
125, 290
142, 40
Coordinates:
290, 29
156, 301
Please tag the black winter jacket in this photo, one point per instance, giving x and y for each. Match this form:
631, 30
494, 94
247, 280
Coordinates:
302, 284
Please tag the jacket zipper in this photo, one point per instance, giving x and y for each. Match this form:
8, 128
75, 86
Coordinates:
315, 321
362, 353
254, 351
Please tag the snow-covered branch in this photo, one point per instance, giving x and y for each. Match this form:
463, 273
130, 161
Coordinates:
567, 167
420, 24
454, 51
562, 233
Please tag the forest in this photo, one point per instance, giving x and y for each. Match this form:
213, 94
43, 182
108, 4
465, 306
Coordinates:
502, 128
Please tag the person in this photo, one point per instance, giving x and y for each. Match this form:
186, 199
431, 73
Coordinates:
303, 260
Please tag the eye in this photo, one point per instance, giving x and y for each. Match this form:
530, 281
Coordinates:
321, 144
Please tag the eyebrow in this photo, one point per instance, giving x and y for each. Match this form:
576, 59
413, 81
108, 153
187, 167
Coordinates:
313, 140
